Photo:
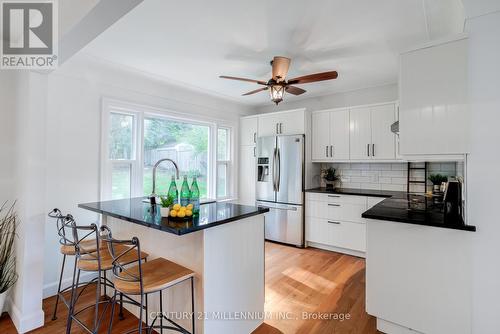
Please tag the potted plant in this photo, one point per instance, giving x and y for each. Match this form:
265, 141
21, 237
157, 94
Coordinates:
328, 174
166, 203
436, 180
8, 275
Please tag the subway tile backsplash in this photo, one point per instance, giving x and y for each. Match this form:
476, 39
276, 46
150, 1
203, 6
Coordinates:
390, 176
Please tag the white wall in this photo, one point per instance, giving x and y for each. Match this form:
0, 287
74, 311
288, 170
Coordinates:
7, 135
22, 178
482, 167
370, 95
75, 92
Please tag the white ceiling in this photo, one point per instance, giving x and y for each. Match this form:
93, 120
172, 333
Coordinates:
192, 42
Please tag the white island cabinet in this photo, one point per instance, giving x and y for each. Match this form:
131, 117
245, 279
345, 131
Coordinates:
224, 246
418, 278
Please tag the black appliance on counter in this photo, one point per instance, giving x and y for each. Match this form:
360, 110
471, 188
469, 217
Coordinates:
452, 203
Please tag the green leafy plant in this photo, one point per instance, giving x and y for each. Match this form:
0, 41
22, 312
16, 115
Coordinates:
166, 201
437, 179
8, 225
328, 174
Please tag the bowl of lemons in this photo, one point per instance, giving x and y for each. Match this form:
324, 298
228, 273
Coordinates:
179, 212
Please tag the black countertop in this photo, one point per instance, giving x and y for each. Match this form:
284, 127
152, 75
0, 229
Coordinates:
403, 207
136, 211
357, 192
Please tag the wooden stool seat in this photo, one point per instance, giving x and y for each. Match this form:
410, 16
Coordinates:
86, 246
157, 275
89, 262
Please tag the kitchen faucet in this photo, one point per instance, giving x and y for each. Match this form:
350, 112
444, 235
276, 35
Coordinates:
153, 194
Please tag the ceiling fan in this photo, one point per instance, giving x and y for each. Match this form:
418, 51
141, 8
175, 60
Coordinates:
278, 84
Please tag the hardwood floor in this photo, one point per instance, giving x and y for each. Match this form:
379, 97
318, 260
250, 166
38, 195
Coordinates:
316, 282
297, 280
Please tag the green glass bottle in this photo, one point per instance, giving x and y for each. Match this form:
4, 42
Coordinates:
172, 191
185, 193
195, 197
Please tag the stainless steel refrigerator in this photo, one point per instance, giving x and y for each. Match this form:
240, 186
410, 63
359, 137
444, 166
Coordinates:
280, 187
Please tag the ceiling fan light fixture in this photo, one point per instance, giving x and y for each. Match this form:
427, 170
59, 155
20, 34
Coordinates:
277, 92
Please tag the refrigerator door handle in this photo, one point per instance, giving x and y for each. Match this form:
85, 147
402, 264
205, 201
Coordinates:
279, 170
274, 170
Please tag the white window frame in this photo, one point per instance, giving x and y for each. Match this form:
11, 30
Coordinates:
229, 163
140, 113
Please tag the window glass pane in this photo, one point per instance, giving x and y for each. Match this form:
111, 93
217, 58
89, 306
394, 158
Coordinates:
222, 144
120, 181
221, 180
185, 143
121, 136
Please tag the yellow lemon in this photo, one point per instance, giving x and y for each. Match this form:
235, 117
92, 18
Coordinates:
181, 214
189, 213
176, 207
189, 207
173, 213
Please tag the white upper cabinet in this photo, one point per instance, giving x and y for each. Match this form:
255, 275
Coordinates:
370, 132
330, 135
320, 135
360, 133
248, 130
339, 134
282, 123
433, 113
383, 140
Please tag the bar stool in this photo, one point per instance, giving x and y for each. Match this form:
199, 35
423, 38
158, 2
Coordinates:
99, 262
143, 279
67, 249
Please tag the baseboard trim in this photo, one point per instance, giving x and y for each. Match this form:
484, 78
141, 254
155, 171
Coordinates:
336, 249
24, 323
50, 289
391, 328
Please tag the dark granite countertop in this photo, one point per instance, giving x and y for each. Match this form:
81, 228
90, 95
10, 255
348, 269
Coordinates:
136, 211
357, 192
403, 207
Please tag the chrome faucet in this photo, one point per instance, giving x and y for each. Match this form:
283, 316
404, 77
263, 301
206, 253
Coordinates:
153, 194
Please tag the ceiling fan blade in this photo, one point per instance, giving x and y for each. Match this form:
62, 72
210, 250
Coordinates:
243, 79
294, 90
314, 77
255, 91
280, 68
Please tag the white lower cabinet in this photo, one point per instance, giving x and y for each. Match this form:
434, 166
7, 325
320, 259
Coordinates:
336, 233
334, 222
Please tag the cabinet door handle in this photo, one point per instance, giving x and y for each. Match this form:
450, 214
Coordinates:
332, 222
326, 151
277, 129
255, 137
368, 149
281, 128
373, 150
336, 196
254, 153
330, 204
331, 151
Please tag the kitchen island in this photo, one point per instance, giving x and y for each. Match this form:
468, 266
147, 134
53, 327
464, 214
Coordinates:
224, 246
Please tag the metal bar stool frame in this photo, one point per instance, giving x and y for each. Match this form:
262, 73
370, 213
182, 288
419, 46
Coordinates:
63, 222
121, 273
89, 231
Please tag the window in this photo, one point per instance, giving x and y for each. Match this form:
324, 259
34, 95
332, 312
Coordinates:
223, 162
135, 137
121, 153
185, 143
